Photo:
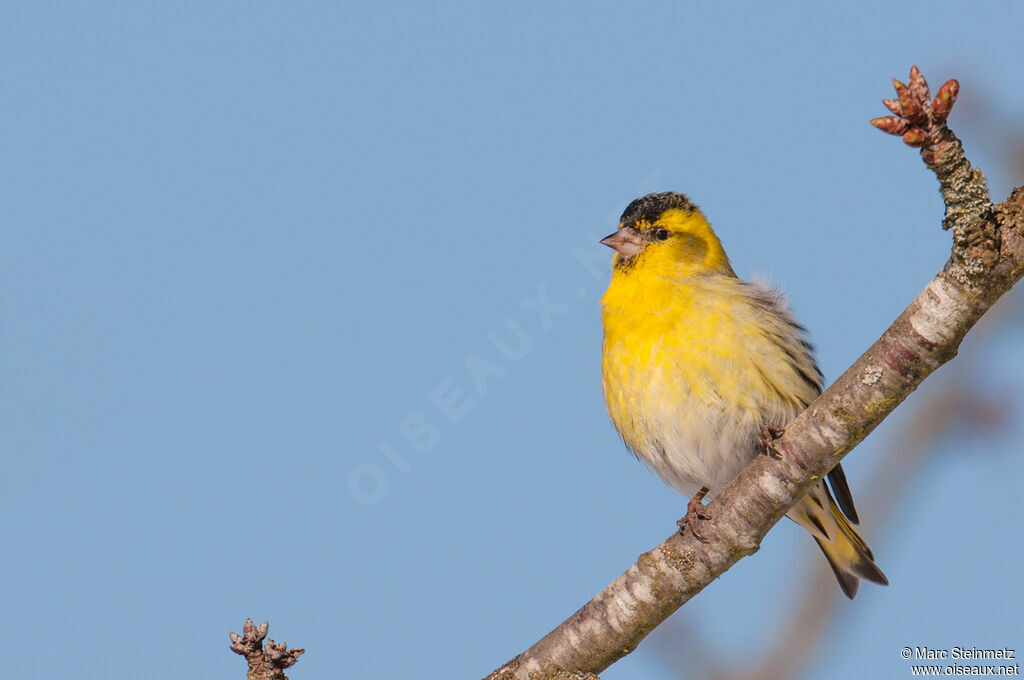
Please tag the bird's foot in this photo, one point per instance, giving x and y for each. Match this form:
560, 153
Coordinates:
695, 511
769, 433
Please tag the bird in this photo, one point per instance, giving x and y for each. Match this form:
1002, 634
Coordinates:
701, 369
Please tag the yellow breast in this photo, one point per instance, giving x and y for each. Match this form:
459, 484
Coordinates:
692, 367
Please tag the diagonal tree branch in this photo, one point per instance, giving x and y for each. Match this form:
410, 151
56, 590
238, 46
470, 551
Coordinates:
957, 403
987, 260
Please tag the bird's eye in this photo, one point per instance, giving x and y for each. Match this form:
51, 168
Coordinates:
661, 234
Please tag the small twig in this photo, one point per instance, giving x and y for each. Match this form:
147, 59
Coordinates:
922, 123
264, 663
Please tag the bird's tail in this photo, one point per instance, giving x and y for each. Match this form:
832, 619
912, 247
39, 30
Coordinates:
847, 553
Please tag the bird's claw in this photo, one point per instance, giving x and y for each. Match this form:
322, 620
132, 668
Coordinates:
769, 433
695, 511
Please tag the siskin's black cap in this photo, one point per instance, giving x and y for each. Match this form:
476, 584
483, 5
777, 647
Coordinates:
650, 207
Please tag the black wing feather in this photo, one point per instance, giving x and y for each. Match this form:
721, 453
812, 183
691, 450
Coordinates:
841, 490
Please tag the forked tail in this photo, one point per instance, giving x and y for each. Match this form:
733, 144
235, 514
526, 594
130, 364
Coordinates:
847, 553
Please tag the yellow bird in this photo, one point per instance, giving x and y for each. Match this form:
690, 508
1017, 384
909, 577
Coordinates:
700, 367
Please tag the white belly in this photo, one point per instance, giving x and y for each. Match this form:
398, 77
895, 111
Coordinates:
699, 441
700, 446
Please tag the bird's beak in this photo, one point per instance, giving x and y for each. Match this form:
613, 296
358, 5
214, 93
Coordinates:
625, 241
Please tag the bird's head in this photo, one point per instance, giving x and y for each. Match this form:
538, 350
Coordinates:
666, 235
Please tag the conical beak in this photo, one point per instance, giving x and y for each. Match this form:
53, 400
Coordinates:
625, 241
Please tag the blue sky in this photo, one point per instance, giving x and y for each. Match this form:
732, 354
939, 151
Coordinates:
299, 320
